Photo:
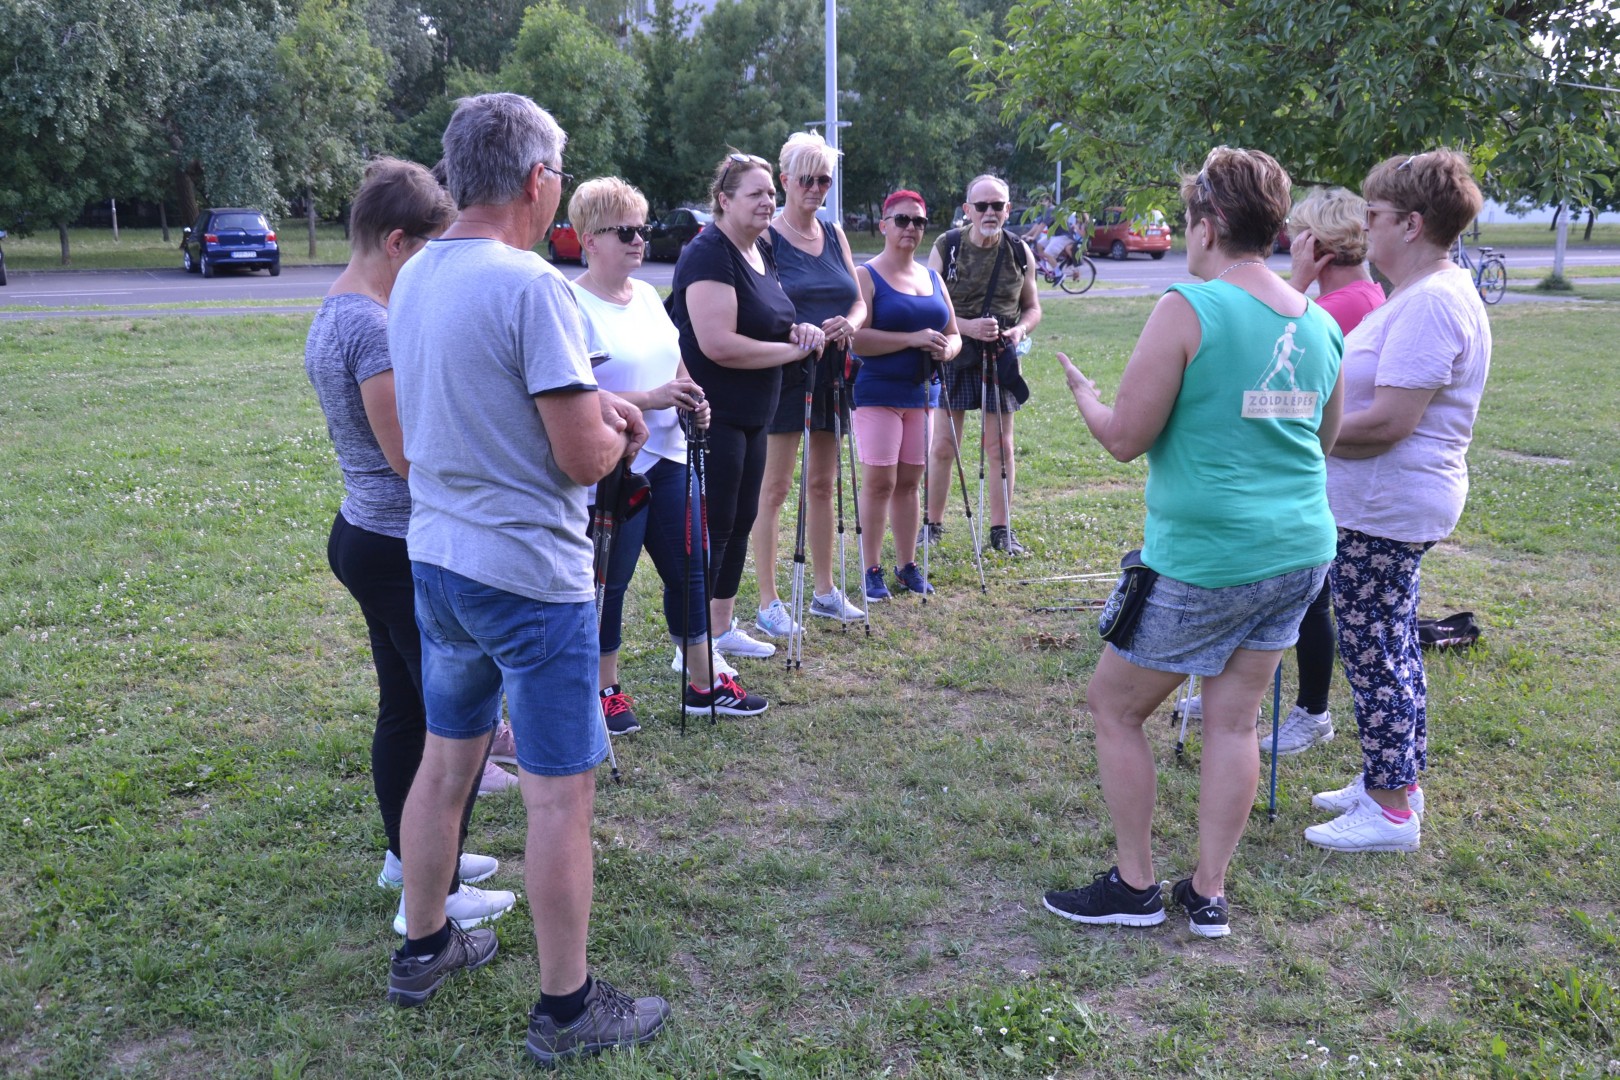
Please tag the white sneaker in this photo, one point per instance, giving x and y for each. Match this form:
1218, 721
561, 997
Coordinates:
1344, 798
467, 908
776, 621
736, 642
474, 868
1300, 730
1364, 827
721, 666
835, 605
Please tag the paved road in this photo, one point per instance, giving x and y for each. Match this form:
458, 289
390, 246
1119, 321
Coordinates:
54, 294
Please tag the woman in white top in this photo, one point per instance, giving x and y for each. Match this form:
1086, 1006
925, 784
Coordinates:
637, 355
1414, 373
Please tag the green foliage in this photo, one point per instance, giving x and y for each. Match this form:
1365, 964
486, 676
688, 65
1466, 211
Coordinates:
573, 71
655, 164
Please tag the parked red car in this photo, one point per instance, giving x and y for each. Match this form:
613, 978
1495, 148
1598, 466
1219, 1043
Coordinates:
1115, 235
562, 245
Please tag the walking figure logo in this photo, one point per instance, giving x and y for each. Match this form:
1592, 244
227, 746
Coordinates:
1277, 395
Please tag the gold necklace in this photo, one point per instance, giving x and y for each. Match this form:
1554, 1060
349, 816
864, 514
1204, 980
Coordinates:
1234, 266
807, 239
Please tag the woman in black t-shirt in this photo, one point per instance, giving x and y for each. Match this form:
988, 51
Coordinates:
737, 330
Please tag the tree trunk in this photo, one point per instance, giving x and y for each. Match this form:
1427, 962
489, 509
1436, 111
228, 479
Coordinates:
1558, 215
185, 191
1591, 219
309, 214
163, 220
114, 203
61, 233
1561, 223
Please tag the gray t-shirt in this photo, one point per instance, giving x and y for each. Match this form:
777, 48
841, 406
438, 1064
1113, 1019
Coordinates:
478, 330
348, 344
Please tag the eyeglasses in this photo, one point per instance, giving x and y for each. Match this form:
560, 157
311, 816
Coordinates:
1206, 193
626, 233
567, 178
1407, 164
742, 159
1375, 210
998, 205
815, 181
906, 221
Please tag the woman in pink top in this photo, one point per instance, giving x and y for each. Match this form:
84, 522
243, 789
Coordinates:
1330, 249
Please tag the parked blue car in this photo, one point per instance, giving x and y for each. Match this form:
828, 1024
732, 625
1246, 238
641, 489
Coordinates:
230, 236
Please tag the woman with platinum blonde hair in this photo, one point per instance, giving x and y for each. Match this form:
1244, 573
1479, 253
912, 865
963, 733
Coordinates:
640, 360
814, 265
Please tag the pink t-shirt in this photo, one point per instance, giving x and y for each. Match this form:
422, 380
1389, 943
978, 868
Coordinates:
1352, 303
1434, 336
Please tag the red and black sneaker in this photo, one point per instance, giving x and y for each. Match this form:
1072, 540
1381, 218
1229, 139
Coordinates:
616, 707
727, 697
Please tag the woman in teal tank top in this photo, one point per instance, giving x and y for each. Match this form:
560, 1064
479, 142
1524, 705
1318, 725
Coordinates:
1233, 393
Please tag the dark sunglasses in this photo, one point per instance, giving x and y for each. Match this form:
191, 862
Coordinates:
815, 181
625, 233
998, 206
906, 221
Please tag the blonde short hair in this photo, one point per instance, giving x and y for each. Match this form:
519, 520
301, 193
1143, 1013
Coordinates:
805, 151
605, 201
1337, 219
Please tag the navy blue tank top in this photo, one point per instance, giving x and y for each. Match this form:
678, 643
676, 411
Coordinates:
900, 379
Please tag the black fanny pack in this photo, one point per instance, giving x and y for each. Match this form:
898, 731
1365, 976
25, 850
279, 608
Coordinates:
1123, 608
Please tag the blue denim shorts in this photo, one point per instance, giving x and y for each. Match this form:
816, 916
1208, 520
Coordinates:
1192, 631
478, 641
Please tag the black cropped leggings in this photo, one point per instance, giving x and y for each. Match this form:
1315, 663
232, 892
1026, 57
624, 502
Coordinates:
736, 468
1316, 653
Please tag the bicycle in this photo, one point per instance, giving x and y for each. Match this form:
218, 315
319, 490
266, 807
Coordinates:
1071, 275
1490, 273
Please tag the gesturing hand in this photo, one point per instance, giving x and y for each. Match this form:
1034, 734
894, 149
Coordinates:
1079, 384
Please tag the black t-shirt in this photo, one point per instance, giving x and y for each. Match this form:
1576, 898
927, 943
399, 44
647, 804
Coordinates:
745, 398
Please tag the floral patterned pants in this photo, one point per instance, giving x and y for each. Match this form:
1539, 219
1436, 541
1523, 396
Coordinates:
1375, 598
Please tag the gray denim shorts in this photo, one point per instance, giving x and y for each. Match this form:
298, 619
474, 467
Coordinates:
1193, 631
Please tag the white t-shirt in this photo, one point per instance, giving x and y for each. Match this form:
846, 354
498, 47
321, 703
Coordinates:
1433, 336
643, 349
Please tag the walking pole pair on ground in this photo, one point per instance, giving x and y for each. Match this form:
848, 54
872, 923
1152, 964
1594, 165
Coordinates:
620, 496
697, 467
794, 654
1182, 710
840, 388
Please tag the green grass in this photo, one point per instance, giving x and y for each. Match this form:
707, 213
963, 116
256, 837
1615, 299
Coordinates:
849, 884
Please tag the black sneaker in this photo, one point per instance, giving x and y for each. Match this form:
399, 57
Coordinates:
610, 1019
1002, 538
728, 697
616, 708
1109, 901
1206, 916
414, 979
932, 532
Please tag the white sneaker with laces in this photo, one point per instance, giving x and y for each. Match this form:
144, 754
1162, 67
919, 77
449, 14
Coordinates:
1300, 730
1344, 798
721, 666
737, 642
776, 621
835, 605
1365, 827
474, 868
468, 907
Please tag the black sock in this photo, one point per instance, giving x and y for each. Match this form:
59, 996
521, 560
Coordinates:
564, 1009
428, 946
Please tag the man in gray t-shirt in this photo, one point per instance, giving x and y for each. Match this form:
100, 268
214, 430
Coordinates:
504, 427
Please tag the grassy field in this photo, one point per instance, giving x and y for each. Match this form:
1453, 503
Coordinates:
848, 886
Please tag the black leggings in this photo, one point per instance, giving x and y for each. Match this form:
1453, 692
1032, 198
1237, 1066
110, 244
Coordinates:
1315, 652
736, 468
377, 572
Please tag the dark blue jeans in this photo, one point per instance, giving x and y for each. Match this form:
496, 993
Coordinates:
662, 529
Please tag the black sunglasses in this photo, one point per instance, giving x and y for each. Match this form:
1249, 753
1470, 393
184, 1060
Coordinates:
815, 181
997, 205
626, 233
906, 221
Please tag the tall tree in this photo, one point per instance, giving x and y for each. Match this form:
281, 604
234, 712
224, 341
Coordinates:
328, 78
659, 51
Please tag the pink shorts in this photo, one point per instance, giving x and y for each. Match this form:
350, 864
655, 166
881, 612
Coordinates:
887, 435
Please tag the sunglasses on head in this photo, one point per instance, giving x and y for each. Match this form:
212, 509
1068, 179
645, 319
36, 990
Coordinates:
625, 233
998, 205
815, 181
906, 221
742, 159
1206, 193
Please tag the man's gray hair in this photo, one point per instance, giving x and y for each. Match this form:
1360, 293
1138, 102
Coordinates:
492, 143
985, 178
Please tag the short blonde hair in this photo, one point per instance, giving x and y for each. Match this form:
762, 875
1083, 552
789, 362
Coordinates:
804, 151
605, 201
1337, 220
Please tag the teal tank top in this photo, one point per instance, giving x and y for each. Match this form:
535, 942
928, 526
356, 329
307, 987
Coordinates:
1237, 482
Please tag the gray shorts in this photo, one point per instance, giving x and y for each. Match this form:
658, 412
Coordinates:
1193, 631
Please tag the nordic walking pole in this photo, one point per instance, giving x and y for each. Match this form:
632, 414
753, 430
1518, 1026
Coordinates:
607, 502
702, 444
967, 507
686, 573
795, 649
838, 439
1001, 448
1276, 711
1184, 707
855, 498
927, 533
